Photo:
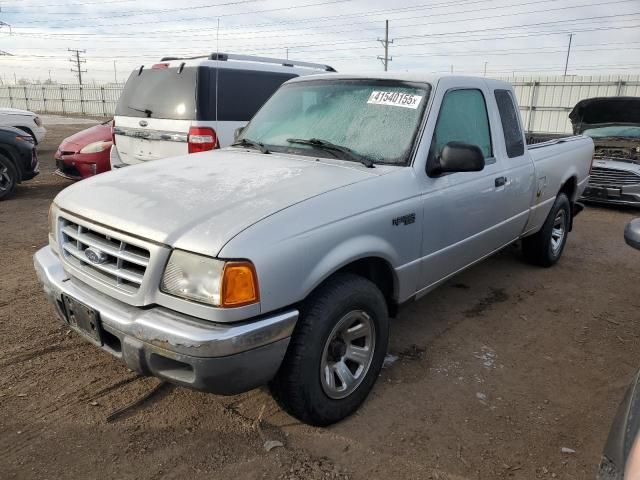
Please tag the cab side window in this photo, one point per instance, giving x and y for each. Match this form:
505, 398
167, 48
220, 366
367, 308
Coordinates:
463, 117
510, 123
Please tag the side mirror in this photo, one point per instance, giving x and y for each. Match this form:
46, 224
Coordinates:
461, 157
632, 233
237, 132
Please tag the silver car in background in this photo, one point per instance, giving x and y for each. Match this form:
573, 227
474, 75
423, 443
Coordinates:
614, 125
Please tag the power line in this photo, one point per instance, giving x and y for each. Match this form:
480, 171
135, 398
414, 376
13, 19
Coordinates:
132, 13
21, 3
255, 12
78, 69
439, 53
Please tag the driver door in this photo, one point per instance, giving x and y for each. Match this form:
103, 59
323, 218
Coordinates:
463, 210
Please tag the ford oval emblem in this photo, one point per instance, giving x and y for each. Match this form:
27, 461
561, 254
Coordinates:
143, 123
96, 256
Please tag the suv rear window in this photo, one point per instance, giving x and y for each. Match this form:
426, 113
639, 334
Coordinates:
241, 93
172, 95
163, 92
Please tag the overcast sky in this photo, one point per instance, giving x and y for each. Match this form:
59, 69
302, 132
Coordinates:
521, 37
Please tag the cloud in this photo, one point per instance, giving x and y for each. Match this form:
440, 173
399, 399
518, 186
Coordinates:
521, 37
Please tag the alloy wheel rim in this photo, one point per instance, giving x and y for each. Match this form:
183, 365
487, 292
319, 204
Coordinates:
5, 179
347, 354
558, 232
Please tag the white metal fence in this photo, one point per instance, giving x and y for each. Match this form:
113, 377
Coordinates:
94, 100
545, 102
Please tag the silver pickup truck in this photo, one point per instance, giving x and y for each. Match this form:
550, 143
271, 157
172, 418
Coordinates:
280, 259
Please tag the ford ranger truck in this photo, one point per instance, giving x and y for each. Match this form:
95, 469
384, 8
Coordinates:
280, 259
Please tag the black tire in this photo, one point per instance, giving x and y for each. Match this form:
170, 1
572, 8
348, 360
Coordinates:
8, 177
543, 248
298, 386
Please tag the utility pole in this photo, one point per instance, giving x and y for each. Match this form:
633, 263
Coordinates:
451, 69
385, 43
115, 72
78, 63
287, 53
485, 69
566, 63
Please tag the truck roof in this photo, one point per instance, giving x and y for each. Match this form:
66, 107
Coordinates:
408, 77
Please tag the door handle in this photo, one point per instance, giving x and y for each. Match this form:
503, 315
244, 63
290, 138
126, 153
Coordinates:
501, 181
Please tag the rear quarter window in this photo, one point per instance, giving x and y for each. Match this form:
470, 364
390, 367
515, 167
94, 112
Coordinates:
241, 93
510, 123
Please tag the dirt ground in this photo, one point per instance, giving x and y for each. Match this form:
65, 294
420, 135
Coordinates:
497, 371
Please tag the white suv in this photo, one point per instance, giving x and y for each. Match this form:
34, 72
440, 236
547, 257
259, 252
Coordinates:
189, 105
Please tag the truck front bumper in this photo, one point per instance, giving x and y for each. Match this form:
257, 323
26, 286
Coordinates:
213, 357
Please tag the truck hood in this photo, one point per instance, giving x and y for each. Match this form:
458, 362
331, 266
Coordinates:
199, 202
604, 111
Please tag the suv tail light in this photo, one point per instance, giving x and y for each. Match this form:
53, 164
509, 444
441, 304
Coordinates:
201, 139
113, 131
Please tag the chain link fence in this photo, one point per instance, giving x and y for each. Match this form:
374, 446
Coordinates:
90, 100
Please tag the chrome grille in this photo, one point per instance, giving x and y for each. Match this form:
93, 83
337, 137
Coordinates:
607, 177
124, 265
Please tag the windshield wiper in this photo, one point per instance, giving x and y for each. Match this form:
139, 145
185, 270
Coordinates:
146, 111
325, 145
245, 142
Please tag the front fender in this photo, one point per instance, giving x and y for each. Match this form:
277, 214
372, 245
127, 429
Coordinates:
349, 251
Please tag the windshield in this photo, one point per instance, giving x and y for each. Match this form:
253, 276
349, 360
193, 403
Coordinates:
373, 119
613, 131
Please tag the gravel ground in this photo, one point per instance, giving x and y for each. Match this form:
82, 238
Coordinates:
496, 372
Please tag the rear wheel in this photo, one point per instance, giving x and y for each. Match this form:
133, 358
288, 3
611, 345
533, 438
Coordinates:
8, 177
336, 351
545, 247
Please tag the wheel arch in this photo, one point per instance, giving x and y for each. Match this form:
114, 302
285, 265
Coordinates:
374, 267
569, 188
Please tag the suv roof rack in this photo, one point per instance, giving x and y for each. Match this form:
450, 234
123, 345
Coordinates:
250, 58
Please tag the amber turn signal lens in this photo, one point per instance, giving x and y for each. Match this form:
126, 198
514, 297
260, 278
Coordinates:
239, 284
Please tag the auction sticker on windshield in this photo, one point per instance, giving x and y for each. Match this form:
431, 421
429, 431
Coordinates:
397, 99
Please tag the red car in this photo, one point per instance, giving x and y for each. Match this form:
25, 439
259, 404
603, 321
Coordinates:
85, 153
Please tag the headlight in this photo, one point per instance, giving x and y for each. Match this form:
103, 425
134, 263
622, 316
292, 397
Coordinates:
211, 281
25, 138
52, 220
96, 147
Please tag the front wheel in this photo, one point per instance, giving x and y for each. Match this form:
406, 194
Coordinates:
545, 247
336, 351
8, 177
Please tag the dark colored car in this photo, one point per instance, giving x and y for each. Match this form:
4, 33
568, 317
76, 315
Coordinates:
621, 456
18, 159
85, 153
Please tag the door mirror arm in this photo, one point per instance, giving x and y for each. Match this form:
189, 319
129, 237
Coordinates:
237, 132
